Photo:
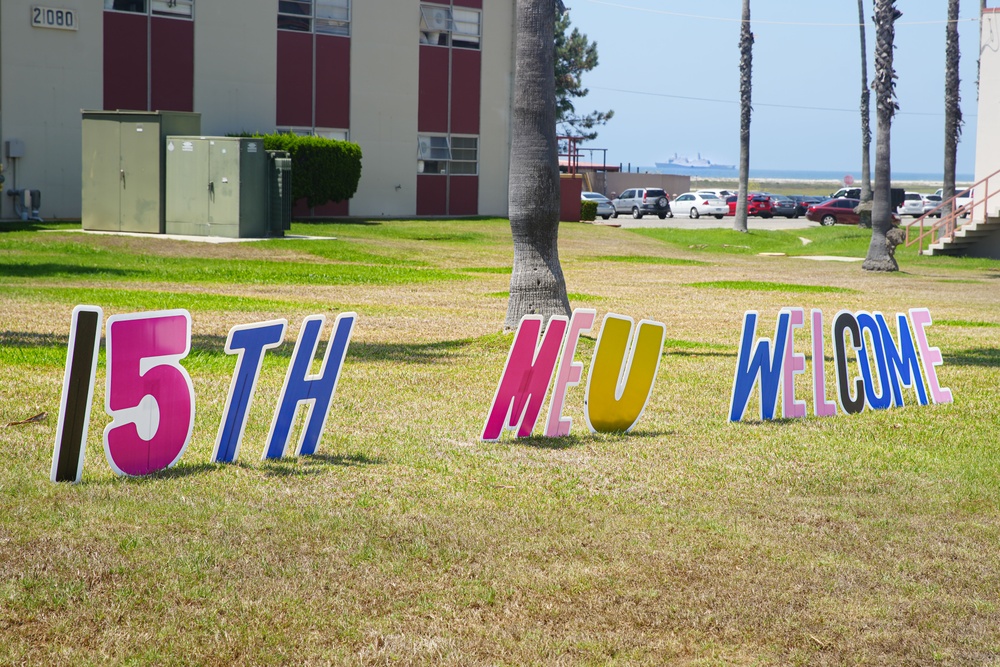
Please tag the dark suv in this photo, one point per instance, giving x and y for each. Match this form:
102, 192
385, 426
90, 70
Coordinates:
640, 201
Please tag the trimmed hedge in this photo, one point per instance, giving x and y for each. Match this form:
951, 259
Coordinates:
323, 170
588, 211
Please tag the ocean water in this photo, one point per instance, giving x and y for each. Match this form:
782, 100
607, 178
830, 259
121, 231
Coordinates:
803, 175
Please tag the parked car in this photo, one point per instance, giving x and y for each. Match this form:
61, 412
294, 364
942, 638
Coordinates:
840, 210
849, 193
931, 202
604, 206
783, 206
963, 197
803, 202
719, 194
697, 204
640, 201
832, 211
913, 204
757, 205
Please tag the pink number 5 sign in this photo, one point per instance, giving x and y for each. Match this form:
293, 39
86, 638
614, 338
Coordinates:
150, 396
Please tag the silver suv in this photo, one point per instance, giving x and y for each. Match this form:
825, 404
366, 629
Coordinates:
640, 201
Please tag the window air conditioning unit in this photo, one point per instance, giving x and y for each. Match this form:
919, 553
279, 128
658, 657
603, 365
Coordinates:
424, 149
432, 23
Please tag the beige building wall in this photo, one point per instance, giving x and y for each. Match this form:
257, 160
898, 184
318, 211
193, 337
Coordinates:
385, 61
236, 64
46, 77
987, 127
497, 104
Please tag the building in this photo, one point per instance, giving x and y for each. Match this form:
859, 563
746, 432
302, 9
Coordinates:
424, 88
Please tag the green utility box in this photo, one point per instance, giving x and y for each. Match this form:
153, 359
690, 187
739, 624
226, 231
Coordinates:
280, 195
124, 168
217, 186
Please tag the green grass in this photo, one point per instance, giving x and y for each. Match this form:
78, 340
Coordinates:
759, 286
868, 538
141, 299
967, 323
646, 259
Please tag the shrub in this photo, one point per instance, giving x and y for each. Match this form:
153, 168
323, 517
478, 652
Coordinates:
588, 211
323, 170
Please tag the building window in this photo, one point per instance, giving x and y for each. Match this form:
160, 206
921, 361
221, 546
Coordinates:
443, 154
443, 26
327, 17
175, 8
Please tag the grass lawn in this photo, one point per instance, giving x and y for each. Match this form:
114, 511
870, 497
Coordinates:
864, 539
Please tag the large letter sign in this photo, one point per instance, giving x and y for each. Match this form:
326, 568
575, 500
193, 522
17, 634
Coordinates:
870, 366
621, 378
77, 394
249, 342
526, 377
761, 361
315, 391
622, 373
150, 396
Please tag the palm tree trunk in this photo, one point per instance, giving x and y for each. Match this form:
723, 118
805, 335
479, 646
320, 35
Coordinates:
952, 99
880, 258
866, 131
536, 282
746, 83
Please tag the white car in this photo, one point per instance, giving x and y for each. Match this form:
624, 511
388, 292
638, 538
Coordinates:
697, 204
931, 202
963, 197
604, 207
721, 194
913, 204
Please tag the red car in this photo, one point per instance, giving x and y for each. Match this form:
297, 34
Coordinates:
759, 205
840, 210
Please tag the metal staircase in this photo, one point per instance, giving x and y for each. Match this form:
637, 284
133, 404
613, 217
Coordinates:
961, 229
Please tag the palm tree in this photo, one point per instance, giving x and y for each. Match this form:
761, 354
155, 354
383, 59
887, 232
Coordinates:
952, 110
536, 282
880, 257
866, 132
746, 67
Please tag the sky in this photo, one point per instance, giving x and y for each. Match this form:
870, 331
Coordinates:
670, 71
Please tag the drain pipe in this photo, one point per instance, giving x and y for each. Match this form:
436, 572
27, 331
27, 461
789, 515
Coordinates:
26, 204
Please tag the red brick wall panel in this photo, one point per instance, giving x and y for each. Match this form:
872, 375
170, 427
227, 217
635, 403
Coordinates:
465, 91
125, 49
432, 107
333, 81
463, 195
172, 64
295, 61
432, 194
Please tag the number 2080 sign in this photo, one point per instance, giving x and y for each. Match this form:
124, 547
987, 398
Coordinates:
150, 396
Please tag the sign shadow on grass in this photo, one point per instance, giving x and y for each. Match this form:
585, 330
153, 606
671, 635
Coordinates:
406, 353
53, 269
974, 356
312, 464
571, 441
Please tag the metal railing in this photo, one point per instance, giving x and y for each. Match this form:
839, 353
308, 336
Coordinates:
948, 222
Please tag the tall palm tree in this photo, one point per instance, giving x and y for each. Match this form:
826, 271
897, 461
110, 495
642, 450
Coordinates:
746, 68
880, 258
952, 99
866, 131
536, 282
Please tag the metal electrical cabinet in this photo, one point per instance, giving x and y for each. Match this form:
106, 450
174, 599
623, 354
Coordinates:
124, 167
217, 186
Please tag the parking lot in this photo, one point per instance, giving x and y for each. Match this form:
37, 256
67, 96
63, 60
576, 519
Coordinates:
705, 222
